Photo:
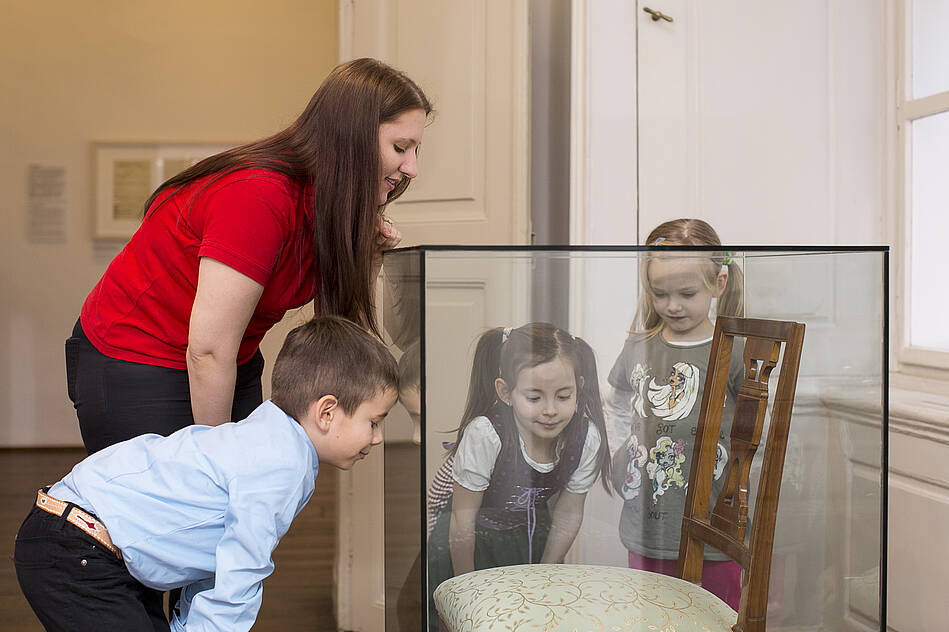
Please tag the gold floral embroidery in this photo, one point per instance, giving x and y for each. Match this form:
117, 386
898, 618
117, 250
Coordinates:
576, 598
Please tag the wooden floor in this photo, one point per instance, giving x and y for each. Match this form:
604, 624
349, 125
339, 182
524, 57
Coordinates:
298, 596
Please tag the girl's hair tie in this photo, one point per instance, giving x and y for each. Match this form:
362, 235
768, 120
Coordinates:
658, 241
505, 334
728, 260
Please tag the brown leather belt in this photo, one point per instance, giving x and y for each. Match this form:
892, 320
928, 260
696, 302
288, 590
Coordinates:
76, 516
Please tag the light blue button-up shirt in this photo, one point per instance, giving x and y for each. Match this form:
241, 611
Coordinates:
203, 508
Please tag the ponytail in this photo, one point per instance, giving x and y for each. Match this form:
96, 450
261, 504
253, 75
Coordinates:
732, 300
482, 394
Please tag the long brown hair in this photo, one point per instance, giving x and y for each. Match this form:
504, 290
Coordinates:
332, 147
499, 355
689, 232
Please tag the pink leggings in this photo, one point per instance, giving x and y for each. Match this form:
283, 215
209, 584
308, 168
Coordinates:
722, 579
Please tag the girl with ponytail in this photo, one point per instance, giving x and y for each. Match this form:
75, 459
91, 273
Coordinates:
656, 395
533, 427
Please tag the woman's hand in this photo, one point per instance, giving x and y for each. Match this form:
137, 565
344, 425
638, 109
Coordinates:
387, 237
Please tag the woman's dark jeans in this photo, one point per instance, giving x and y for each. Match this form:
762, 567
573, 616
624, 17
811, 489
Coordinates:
116, 400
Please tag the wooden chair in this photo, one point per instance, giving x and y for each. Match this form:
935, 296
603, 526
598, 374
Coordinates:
582, 597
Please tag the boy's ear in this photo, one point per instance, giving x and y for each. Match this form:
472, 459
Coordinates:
322, 411
504, 393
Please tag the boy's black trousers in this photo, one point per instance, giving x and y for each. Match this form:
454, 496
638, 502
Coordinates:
74, 583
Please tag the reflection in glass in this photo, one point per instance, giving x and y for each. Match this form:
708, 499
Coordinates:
402, 465
826, 566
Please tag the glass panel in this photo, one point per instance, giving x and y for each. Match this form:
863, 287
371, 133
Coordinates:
829, 516
930, 222
930, 47
402, 498
524, 466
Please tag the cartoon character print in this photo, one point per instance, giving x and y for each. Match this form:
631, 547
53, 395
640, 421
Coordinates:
674, 399
665, 466
634, 478
637, 380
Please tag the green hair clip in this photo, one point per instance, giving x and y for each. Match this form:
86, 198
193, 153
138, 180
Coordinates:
728, 260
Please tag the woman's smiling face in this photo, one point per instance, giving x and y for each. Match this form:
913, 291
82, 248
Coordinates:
399, 140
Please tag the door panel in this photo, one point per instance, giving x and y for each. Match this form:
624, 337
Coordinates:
734, 119
471, 59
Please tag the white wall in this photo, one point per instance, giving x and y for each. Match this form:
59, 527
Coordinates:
74, 73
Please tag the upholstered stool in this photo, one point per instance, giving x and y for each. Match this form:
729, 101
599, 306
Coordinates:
577, 598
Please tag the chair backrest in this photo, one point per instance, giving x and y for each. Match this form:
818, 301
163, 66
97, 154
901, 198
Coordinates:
725, 528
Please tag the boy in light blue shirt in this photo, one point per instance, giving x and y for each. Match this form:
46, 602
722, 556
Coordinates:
205, 507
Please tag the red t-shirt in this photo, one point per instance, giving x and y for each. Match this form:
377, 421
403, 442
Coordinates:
255, 221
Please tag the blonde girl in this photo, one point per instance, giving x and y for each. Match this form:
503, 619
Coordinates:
656, 394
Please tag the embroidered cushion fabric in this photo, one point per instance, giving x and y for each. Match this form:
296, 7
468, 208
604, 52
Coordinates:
571, 598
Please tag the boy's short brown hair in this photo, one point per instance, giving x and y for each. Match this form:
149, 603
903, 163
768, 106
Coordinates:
330, 355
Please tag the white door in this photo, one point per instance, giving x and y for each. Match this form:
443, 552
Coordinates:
471, 59
764, 119
761, 118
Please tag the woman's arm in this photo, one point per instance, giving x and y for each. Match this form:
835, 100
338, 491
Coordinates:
461, 533
223, 305
568, 514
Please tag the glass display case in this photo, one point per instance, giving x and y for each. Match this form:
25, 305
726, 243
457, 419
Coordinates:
586, 365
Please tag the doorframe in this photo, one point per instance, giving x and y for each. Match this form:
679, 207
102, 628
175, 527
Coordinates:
342, 565
604, 167
604, 173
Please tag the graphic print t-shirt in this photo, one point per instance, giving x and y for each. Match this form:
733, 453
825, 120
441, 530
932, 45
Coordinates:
659, 385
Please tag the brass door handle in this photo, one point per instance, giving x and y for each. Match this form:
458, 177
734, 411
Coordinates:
657, 15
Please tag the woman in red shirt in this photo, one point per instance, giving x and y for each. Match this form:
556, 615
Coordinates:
170, 334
